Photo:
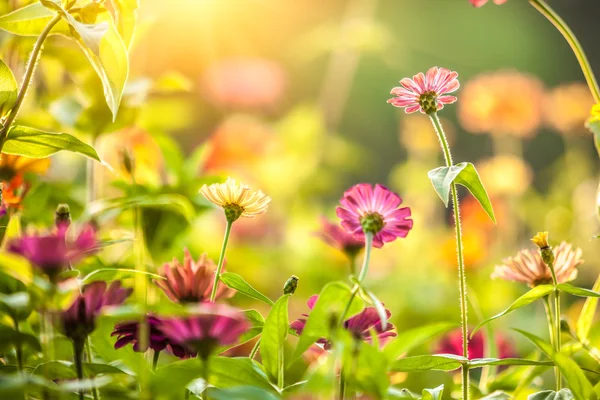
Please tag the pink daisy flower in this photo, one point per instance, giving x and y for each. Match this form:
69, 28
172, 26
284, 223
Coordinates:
337, 237
365, 208
426, 93
480, 3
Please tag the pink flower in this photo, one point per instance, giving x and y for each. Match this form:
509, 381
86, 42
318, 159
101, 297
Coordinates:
191, 282
426, 93
212, 325
361, 325
52, 253
452, 344
79, 320
375, 210
338, 238
480, 3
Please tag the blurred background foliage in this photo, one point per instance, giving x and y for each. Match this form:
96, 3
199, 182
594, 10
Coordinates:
289, 97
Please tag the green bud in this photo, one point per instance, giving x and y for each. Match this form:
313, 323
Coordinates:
547, 256
290, 285
372, 223
232, 212
63, 215
564, 326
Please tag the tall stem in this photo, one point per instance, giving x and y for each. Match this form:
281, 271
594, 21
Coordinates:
155, 359
213, 293
254, 349
462, 278
361, 277
18, 348
564, 29
551, 327
88, 350
78, 353
33, 59
557, 332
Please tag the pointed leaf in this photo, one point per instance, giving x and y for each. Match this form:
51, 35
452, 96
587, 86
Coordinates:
124, 15
482, 362
536, 293
236, 282
11, 337
370, 373
409, 339
564, 394
436, 362
34, 143
172, 201
580, 386
586, 317
111, 274
442, 178
433, 394
31, 21
577, 291
273, 338
8, 89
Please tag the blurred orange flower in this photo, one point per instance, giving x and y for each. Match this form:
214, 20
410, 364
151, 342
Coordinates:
12, 173
502, 102
475, 249
566, 108
505, 175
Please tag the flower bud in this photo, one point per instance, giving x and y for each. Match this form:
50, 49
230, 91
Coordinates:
564, 326
290, 285
127, 161
63, 215
541, 240
372, 223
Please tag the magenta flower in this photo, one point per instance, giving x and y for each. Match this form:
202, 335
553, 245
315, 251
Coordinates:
452, 344
211, 326
426, 93
480, 3
338, 238
374, 210
191, 282
79, 320
53, 252
127, 333
361, 325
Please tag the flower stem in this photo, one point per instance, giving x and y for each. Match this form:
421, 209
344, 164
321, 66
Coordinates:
78, 353
342, 391
19, 349
361, 277
33, 59
155, 359
551, 327
557, 338
254, 349
205, 376
88, 350
462, 278
213, 293
564, 29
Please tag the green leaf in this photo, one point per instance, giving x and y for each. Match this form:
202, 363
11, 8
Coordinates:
582, 389
482, 362
370, 375
433, 394
273, 338
497, 395
235, 281
577, 291
564, 394
463, 174
331, 303
113, 274
8, 89
34, 143
17, 305
436, 362
124, 15
11, 337
172, 201
409, 339
381, 311
586, 317
243, 393
536, 293
31, 21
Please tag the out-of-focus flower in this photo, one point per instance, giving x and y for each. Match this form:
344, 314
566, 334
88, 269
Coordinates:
338, 238
52, 252
12, 172
211, 326
502, 103
244, 83
529, 268
79, 320
480, 3
426, 93
475, 249
128, 333
367, 209
452, 344
417, 134
566, 108
361, 325
191, 282
237, 199
505, 175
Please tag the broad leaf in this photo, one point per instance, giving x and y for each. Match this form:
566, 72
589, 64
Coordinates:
536, 293
235, 281
243, 393
433, 394
482, 362
31, 21
113, 274
463, 174
436, 362
580, 386
11, 337
409, 339
586, 317
577, 291
17, 305
564, 394
8, 89
34, 143
370, 374
124, 15
273, 338
498, 395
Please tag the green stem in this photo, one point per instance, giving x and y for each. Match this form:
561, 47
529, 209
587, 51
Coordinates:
33, 59
342, 391
205, 376
551, 327
558, 333
462, 278
78, 352
254, 349
368, 247
564, 29
88, 350
19, 349
155, 359
213, 293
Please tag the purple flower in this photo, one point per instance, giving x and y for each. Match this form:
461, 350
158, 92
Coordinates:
211, 326
335, 236
127, 333
79, 320
52, 253
361, 325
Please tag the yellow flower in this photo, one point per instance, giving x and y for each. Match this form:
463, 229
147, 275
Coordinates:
236, 199
11, 166
567, 107
541, 240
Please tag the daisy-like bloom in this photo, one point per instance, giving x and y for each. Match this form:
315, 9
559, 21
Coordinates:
374, 210
338, 238
79, 320
529, 268
11, 166
52, 253
361, 325
480, 3
452, 344
128, 333
426, 93
191, 282
237, 199
211, 326
567, 107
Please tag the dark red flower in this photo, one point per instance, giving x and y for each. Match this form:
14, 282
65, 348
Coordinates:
452, 344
